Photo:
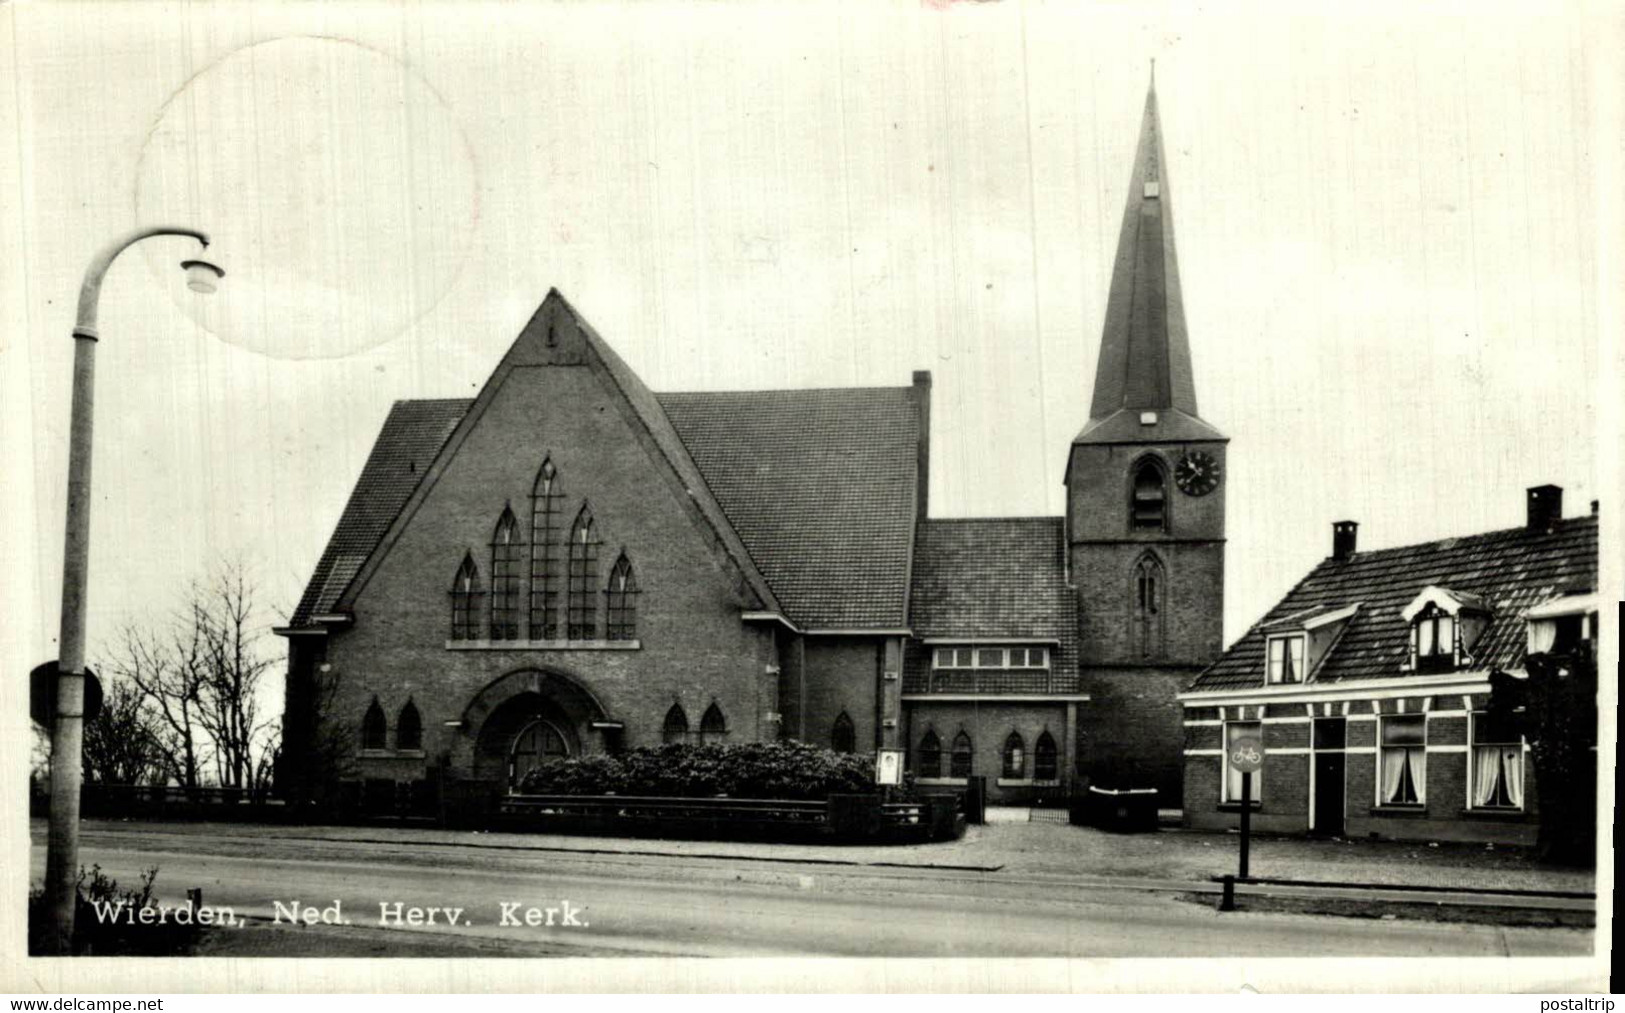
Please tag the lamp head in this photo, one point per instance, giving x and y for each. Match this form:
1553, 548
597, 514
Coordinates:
202, 276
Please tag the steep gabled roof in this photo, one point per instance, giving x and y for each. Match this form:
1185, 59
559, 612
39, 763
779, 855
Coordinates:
1511, 571
820, 485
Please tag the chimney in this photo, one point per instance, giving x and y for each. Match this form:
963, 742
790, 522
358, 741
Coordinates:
1343, 539
1593, 508
922, 405
1545, 507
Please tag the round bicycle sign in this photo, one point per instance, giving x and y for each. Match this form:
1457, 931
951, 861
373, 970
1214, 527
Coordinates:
1247, 755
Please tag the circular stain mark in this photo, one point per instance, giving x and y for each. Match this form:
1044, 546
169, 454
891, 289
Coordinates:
340, 193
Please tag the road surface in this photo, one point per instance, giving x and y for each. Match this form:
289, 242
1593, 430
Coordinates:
649, 905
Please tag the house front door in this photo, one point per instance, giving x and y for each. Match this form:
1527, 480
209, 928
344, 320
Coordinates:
1329, 761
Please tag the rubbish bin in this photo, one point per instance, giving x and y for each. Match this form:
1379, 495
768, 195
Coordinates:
1124, 810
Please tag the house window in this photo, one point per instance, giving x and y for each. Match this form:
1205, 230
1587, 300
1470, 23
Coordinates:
1235, 731
1402, 763
505, 578
1286, 660
373, 731
1147, 506
1497, 771
465, 601
675, 728
842, 738
959, 763
408, 728
1046, 766
1433, 640
544, 554
991, 657
622, 601
1148, 592
712, 724
930, 761
1015, 757
583, 622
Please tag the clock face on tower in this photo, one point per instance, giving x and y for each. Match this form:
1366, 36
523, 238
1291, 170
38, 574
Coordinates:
1197, 473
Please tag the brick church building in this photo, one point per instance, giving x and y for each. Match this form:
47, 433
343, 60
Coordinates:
570, 563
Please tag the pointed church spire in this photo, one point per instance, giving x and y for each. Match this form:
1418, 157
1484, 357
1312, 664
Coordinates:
1145, 359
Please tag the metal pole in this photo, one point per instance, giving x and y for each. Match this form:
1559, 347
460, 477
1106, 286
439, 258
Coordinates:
1246, 818
68, 733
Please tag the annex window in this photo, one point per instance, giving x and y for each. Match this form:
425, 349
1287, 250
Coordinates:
675, 727
1235, 731
1564, 625
842, 738
1286, 662
505, 578
930, 758
621, 600
1149, 586
545, 552
1497, 770
465, 601
1015, 757
991, 657
1402, 761
1046, 764
1148, 501
959, 763
712, 724
1433, 640
583, 620
409, 728
373, 730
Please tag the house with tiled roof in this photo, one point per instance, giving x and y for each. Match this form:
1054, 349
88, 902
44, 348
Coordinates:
572, 563
1368, 685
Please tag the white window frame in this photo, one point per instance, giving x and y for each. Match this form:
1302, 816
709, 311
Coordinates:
1422, 776
1472, 767
1286, 639
1257, 726
952, 661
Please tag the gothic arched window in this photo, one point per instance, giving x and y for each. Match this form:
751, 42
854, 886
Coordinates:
544, 553
409, 728
675, 728
1149, 594
842, 738
621, 621
373, 730
583, 604
1015, 757
712, 723
505, 578
1149, 498
959, 764
1045, 761
465, 601
930, 758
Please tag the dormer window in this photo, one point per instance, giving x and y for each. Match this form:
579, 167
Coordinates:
1286, 660
1563, 625
1433, 640
1445, 626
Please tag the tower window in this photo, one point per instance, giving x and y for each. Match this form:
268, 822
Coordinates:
622, 601
465, 601
1148, 591
1148, 501
505, 578
930, 760
583, 624
545, 553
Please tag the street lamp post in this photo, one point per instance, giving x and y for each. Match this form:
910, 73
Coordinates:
67, 733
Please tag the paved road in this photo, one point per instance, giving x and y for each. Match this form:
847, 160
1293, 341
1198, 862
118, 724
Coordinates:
660, 905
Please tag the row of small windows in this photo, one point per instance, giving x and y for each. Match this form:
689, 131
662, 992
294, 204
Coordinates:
1046, 760
574, 564
408, 727
675, 727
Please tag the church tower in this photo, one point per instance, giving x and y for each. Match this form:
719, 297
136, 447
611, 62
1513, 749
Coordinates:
1145, 506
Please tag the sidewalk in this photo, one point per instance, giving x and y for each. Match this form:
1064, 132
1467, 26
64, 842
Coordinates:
1039, 848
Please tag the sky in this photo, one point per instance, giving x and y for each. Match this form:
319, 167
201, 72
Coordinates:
1390, 229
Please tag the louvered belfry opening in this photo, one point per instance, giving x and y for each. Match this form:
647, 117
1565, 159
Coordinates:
1148, 509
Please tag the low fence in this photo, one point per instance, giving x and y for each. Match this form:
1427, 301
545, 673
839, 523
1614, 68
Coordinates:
847, 818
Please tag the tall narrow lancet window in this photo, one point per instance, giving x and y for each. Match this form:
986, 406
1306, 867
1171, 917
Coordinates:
465, 601
621, 600
409, 728
505, 578
930, 759
1045, 762
373, 730
959, 764
675, 728
546, 551
583, 604
1149, 591
713, 725
1149, 498
1015, 757
842, 738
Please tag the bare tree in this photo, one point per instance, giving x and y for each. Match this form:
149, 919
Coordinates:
121, 746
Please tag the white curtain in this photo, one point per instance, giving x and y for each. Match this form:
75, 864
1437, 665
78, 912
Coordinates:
1486, 774
1542, 635
1512, 770
1393, 768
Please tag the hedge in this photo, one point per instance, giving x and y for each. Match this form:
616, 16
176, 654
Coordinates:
771, 770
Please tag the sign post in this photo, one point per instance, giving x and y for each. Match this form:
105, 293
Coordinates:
889, 767
1246, 756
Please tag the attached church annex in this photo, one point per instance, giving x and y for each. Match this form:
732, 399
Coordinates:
571, 563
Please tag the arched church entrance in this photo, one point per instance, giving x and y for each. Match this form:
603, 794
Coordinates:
526, 718
535, 744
